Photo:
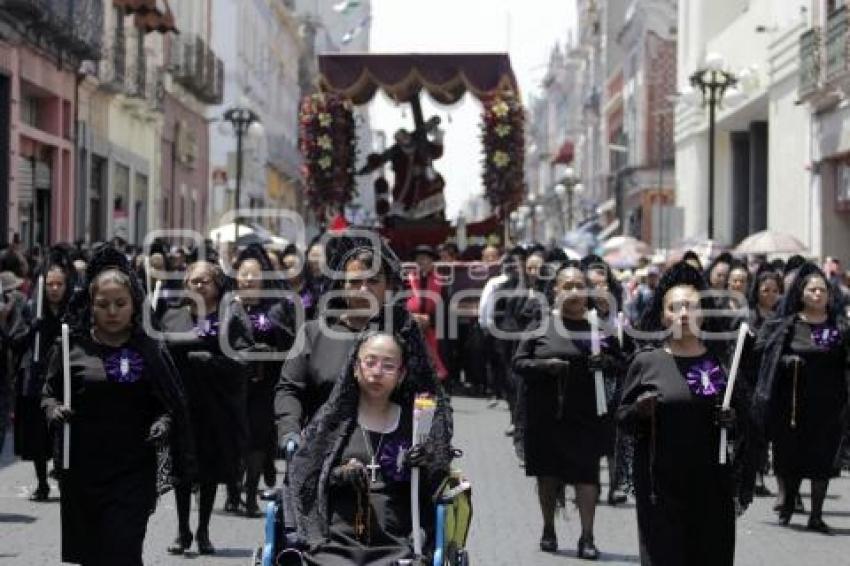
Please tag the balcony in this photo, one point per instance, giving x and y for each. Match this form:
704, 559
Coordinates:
112, 69
837, 44
810, 63
195, 67
74, 26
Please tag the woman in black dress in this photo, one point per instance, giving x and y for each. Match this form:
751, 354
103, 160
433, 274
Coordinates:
253, 275
205, 337
351, 480
801, 395
565, 436
129, 430
763, 298
324, 344
686, 500
32, 438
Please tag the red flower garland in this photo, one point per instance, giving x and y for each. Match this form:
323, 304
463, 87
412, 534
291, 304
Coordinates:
503, 138
328, 142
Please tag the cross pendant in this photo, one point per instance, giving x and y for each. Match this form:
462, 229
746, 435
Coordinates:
373, 471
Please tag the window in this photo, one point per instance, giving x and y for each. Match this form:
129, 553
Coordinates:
842, 185
29, 110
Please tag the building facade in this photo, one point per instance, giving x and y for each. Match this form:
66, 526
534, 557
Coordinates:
119, 122
824, 88
641, 111
194, 81
42, 45
771, 154
261, 47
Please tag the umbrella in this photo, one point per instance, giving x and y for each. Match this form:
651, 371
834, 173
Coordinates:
769, 242
252, 238
227, 232
628, 245
705, 248
623, 259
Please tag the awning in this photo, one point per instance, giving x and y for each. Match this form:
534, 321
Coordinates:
566, 154
446, 77
609, 230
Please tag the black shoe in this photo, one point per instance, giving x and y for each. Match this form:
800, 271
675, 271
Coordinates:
762, 491
587, 549
204, 544
252, 510
41, 494
798, 505
616, 497
270, 474
181, 544
549, 542
231, 505
816, 524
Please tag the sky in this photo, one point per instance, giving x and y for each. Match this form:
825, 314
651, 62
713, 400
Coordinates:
526, 29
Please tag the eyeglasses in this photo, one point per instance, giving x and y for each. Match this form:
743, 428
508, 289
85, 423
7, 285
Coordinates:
201, 282
373, 363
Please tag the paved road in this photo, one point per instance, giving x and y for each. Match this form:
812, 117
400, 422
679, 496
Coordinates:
506, 526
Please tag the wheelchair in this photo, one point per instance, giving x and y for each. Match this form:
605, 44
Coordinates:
453, 502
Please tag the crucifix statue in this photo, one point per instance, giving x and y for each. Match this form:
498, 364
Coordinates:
417, 187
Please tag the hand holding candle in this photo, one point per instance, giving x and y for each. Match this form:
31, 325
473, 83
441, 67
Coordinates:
598, 377
730, 386
39, 309
424, 408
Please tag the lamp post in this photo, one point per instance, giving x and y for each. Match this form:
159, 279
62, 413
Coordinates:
569, 186
244, 121
712, 81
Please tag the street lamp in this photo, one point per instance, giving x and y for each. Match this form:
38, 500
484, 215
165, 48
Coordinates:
244, 121
568, 186
712, 81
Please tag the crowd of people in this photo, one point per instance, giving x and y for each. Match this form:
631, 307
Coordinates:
189, 370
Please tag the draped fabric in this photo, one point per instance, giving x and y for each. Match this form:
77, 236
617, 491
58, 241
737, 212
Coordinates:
446, 77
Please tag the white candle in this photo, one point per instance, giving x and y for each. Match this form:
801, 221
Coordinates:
39, 308
66, 396
730, 386
424, 408
598, 378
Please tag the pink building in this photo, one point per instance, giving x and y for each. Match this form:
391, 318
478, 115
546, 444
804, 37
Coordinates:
37, 108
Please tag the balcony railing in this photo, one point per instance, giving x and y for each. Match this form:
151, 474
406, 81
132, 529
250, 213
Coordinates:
75, 26
810, 63
837, 44
195, 66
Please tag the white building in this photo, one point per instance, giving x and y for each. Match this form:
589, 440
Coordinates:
260, 44
767, 143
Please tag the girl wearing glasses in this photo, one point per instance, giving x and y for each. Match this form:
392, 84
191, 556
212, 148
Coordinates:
199, 335
351, 480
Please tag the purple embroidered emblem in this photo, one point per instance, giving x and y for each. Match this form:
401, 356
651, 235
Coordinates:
124, 366
391, 460
706, 378
260, 321
825, 336
208, 327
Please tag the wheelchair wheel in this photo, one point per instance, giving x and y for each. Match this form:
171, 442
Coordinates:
257, 557
462, 558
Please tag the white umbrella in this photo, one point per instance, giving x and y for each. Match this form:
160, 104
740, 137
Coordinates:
227, 232
626, 245
769, 242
